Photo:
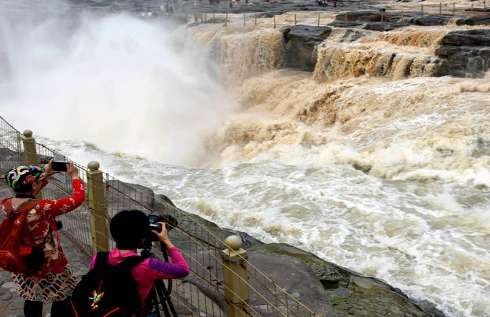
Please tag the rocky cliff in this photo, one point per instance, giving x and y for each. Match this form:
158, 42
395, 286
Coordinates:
463, 53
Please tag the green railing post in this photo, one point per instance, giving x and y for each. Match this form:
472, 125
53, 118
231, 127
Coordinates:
235, 278
30, 154
97, 203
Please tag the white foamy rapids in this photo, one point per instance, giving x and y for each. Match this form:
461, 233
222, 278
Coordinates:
415, 129
429, 239
117, 81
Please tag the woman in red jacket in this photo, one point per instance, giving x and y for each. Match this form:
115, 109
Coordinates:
51, 279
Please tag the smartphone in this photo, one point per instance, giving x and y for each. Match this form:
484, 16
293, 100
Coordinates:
59, 164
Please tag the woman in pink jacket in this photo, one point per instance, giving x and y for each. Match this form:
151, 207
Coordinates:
130, 229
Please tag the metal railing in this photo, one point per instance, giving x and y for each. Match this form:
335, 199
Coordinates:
452, 8
11, 146
207, 291
322, 18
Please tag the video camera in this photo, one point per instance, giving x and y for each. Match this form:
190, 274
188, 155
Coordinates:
155, 225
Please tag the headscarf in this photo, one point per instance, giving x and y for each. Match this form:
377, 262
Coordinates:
21, 178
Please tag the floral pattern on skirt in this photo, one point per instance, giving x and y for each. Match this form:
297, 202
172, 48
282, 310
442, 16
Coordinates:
54, 287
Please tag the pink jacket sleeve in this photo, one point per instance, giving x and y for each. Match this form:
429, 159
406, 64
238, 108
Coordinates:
178, 267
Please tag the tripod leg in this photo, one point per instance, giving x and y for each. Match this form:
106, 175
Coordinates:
162, 290
159, 287
164, 295
154, 300
169, 303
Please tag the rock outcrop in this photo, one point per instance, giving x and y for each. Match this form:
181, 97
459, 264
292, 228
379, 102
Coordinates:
482, 18
384, 21
348, 293
466, 51
301, 42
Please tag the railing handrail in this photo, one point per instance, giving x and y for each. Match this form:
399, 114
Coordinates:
436, 8
8, 124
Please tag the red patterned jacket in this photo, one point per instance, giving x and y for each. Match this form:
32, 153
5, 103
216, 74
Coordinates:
41, 226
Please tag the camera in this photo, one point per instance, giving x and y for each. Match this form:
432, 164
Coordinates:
154, 220
59, 163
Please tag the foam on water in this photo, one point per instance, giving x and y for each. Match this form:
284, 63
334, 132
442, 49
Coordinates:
414, 129
429, 239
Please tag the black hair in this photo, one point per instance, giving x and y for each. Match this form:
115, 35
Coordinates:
24, 188
130, 228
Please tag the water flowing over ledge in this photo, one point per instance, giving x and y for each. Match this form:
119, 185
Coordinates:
337, 141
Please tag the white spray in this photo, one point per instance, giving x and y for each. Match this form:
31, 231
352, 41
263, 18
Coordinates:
123, 83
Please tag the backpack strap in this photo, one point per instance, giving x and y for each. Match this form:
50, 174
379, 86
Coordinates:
27, 205
24, 207
101, 260
129, 263
19, 214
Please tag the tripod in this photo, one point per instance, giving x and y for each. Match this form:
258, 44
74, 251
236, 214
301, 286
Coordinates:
160, 297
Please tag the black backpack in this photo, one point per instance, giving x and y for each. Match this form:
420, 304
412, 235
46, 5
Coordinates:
108, 290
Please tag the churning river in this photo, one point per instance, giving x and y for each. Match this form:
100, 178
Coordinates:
389, 177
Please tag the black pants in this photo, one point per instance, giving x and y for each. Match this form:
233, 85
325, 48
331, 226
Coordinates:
35, 309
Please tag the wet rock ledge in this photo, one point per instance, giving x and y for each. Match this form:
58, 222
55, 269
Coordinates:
461, 53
